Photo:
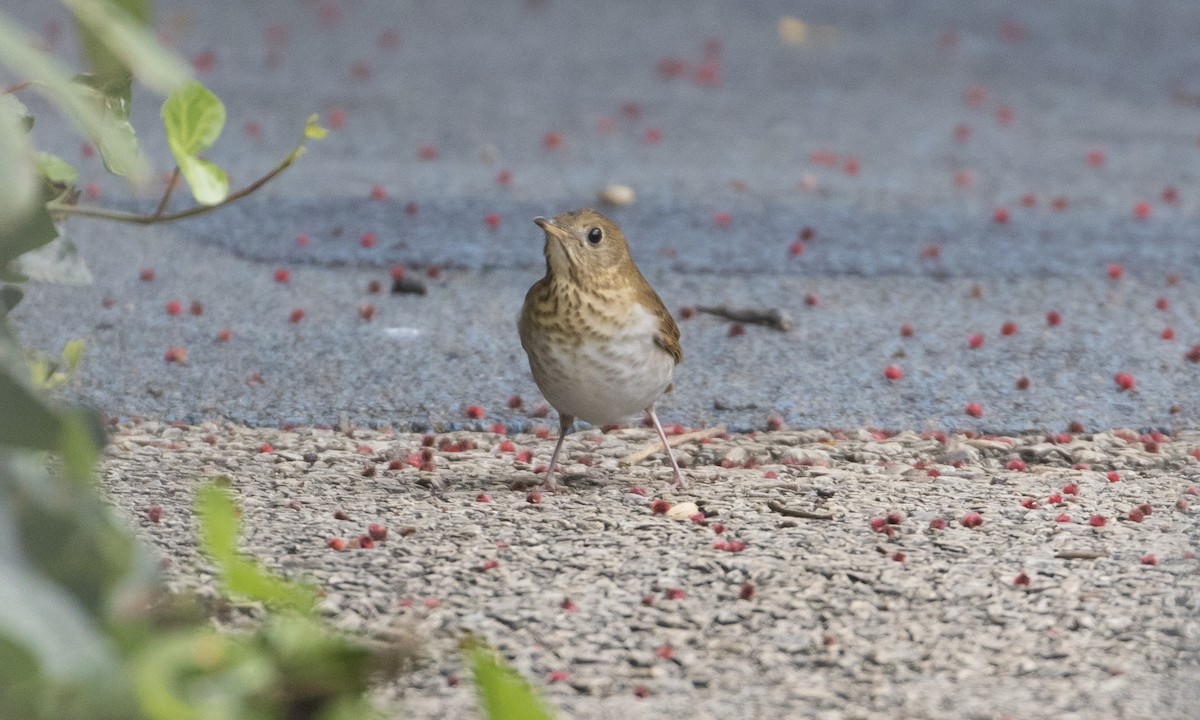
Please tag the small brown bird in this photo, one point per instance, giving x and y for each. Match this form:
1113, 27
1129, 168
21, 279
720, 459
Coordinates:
601, 344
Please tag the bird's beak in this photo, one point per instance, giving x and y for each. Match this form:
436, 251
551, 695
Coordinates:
550, 228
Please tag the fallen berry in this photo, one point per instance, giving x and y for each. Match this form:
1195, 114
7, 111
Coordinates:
1113, 477
1063, 518
483, 498
1000, 215
1168, 334
366, 311
282, 275
1096, 520
368, 240
878, 523
812, 300
534, 497
972, 520
174, 308
1054, 499
567, 604
975, 341
365, 542
378, 192
974, 409
717, 528
146, 274
488, 565
1070, 489
906, 330
176, 354
154, 513
492, 220
891, 372
1022, 383
336, 543
377, 532
937, 524
1135, 515
296, 316
1141, 210
660, 507
1116, 271
674, 594
1124, 381
1016, 465
1148, 559
1008, 328
1021, 579
1053, 318
1029, 503
898, 556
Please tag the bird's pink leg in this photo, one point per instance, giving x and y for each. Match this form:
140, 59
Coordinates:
680, 481
564, 427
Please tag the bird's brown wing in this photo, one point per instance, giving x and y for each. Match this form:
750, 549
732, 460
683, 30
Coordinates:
668, 332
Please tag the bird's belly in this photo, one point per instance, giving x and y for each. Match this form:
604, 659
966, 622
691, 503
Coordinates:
601, 383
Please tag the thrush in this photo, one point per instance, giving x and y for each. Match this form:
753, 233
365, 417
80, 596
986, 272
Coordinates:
601, 345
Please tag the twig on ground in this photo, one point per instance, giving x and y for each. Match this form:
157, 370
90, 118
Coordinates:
1080, 554
774, 318
793, 512
634, 458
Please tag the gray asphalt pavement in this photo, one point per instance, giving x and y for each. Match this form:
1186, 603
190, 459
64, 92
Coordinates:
895, 132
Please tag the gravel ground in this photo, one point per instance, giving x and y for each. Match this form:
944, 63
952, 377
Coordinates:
601, 600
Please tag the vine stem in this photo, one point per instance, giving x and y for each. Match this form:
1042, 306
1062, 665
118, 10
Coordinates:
158, 216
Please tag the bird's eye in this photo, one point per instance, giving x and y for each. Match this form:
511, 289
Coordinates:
595, 235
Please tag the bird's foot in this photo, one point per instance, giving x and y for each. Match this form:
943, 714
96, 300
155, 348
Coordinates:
681, 481
551, 484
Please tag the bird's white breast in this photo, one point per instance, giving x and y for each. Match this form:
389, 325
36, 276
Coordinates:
604, 381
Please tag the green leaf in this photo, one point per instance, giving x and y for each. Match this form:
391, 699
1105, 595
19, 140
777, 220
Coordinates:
18, 168
504, 694
209, 183
10, 297
27, 421
52, 79
313, 130
56, 170
193, 118
28, 233
72, 353
239, 575
117, 39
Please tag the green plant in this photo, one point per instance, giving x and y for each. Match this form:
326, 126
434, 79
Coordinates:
87, 630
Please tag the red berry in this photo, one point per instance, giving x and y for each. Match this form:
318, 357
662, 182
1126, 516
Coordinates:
224, 335
962, 132
1022, 383
1113, 477
812, 300
146, 274
154, 513
567, 604
1063, 518
674, 594
1141, 210
1170, 195
367, 240
1070, 489
1168, 334
737, 330
174, 308
336, 543
1004, 115
552, 141
302, 240
1016, 465
366, 311
937, 524
1116, 271
427, 152
1162, 304
1059, 204
652, 136
1193, 355
906, 330
492, 220
722, 219
378, 192
1096, 520
975, 341
891, 372
1124, 381
1008, 328
1029, 200
895, 517
1148, 559
534, 497
282, 275
1135, 515
335, 118
266, 448
898, 556
196, 308
1021, 579
504, 177
1029, 503
1095, 158
796, 249
296, 316
176, 355
475, 412
641, 691
1000, 215
660, 507
974, 409
483, 498
377, 532
360, 70
1054, 498
1053, 318
506, 446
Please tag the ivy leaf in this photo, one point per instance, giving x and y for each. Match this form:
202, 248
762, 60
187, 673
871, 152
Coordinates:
193, 118
117, 40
